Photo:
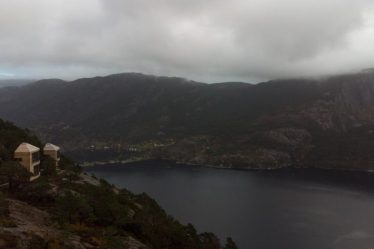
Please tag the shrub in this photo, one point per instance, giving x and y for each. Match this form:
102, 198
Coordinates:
72, 208
48, 166
15, 174
38, 193
4, 206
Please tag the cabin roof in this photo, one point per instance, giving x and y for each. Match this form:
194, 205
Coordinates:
26, 147
50, 146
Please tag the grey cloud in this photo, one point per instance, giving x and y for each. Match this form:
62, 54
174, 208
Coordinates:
208, 40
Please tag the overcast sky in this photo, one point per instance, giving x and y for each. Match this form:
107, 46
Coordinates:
206, 40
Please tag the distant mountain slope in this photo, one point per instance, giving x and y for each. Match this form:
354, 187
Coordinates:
14, 82
272, 124
135, 105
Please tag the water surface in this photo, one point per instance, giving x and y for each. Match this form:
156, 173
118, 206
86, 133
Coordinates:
290, 209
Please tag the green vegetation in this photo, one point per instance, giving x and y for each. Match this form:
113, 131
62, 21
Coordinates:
11, 136
4, 208
230, 244
14, 173
48, 166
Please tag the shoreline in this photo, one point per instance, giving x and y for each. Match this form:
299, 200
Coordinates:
128, 161
87, 164
93, 163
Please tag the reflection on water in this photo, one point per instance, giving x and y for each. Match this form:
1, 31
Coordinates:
293, 209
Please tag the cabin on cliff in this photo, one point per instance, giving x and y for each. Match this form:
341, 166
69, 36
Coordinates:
29, 157
52, 151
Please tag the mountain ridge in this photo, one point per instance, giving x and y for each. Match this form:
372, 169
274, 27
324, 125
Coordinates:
274, 124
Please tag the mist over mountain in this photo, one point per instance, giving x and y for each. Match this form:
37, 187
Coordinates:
326, 123
14, 82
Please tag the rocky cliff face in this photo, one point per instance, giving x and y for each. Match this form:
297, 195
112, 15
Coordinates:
347, 102
303, 123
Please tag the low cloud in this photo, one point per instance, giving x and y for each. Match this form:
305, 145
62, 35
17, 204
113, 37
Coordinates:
210, 40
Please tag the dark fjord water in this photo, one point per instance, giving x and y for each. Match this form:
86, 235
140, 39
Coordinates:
287, 209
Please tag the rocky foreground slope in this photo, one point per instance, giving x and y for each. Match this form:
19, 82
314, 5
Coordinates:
66, 208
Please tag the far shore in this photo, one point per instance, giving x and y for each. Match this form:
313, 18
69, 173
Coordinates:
134, 160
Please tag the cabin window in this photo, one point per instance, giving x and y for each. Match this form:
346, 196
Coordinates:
58, 154
35, 157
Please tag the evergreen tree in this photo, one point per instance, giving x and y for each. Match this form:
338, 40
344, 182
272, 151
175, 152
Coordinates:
73, 208
230, 244
48, 166
15, 173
